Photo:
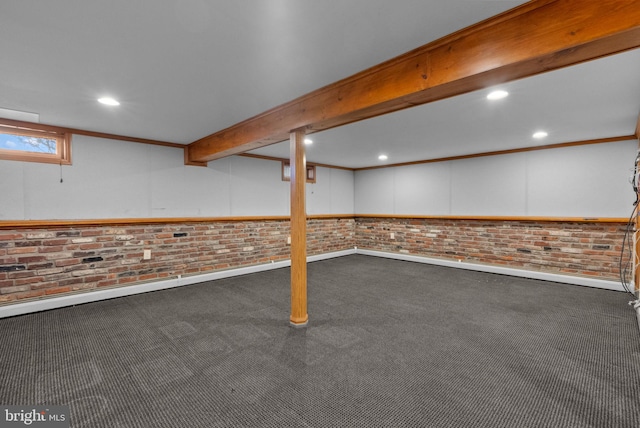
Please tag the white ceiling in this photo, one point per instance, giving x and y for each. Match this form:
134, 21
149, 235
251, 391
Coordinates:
183, 69
593, 100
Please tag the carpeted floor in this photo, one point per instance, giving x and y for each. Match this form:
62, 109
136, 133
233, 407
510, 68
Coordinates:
389, 344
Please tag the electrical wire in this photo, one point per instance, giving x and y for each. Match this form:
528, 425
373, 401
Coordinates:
627, 243
629, 238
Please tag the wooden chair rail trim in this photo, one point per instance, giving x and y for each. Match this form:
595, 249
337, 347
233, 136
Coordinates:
42, 224
540, 219
8, 224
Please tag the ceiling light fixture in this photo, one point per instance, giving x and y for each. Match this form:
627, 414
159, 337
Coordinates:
383, 157
108, 101
308, 141
496, 95
540, 134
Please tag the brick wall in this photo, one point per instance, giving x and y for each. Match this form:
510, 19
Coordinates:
39, 262
579, 249
50, 261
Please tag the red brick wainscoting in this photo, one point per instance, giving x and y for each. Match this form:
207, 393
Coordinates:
39, 259
564, 247
49, 260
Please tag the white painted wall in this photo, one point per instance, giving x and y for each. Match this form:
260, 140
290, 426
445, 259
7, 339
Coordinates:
332, 193
580, 181
118, 179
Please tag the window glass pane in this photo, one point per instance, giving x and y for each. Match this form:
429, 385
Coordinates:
25, 143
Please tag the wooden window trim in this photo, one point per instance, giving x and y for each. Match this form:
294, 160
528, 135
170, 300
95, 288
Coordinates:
63, 145
311, 172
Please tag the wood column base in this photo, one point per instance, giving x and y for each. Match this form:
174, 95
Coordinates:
299, 322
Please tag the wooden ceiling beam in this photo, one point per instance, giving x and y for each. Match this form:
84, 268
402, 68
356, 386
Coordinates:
539, 36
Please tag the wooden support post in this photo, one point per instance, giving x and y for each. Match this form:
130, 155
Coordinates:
299, 316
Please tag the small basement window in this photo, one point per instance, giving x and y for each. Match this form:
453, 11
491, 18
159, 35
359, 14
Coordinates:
286, 172
35, 144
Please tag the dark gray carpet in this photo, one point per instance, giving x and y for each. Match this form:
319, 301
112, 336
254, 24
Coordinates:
390, 344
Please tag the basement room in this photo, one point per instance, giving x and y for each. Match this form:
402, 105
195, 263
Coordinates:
298, 213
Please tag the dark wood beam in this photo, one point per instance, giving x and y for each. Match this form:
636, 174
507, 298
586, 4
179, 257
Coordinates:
539, 36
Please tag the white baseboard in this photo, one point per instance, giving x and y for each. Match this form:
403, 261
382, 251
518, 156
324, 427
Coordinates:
47, 303
566, 279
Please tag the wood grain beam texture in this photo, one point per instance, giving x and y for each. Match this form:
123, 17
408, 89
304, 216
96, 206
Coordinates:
536, 37
299, 316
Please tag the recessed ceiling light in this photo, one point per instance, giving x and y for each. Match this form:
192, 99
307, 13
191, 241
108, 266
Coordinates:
108, 101
308, 141
383, 157
496, 95
540, 134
